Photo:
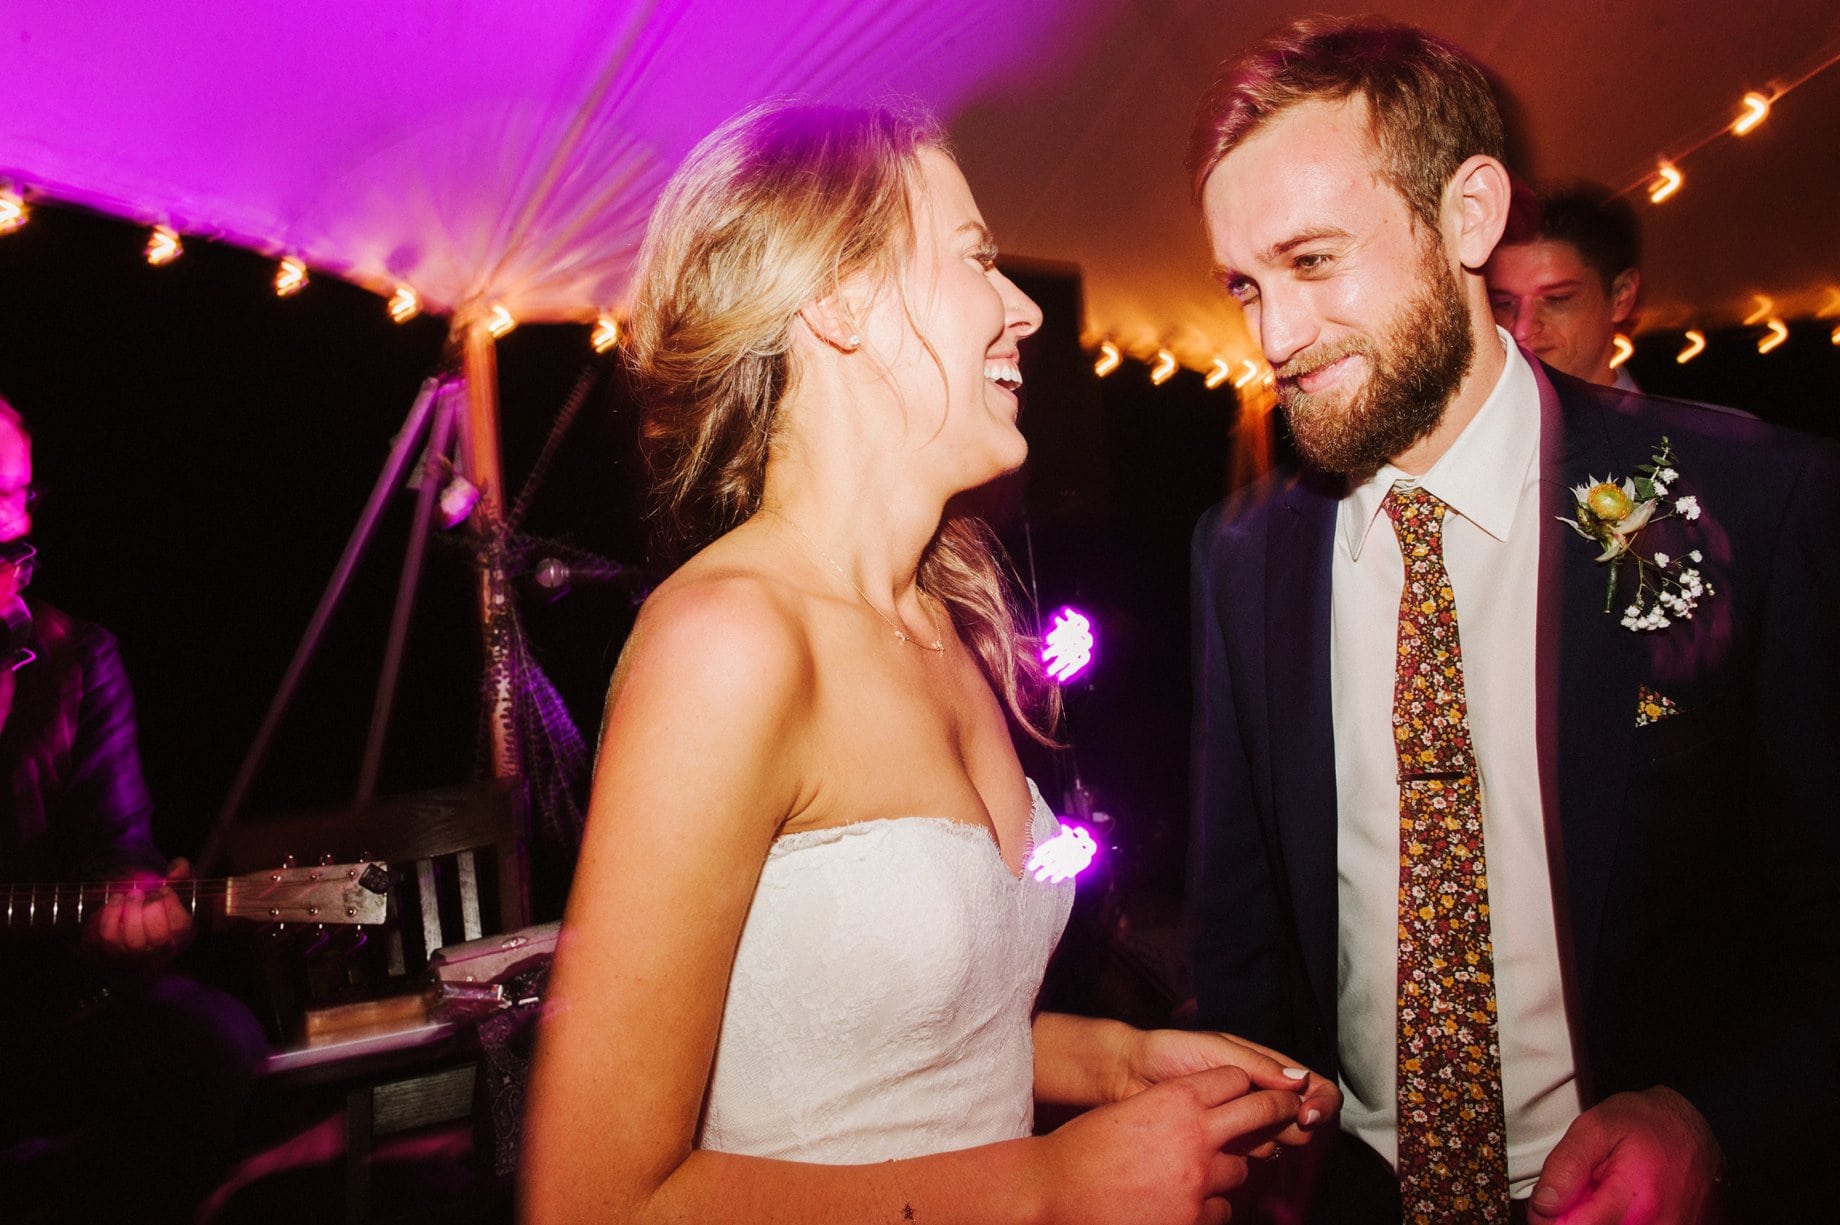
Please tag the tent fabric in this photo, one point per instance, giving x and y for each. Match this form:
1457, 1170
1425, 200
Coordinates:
509, 150
475, 150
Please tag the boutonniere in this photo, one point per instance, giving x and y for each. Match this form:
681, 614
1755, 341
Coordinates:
1613, 514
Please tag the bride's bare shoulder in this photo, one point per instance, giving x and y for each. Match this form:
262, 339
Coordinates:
725, 618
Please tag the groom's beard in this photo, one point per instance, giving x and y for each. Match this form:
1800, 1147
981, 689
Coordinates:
1414, 368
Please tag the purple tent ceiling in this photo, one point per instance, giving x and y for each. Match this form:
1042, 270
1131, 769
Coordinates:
508, 150
491, 150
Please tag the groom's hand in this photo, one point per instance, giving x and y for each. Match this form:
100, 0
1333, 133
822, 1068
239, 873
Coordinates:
1631, 1159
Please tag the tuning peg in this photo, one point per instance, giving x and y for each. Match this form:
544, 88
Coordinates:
288, 862
326, 858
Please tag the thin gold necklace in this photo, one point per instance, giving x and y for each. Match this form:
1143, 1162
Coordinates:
938, 644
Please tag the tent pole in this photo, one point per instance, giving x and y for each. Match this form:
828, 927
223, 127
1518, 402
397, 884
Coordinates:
430, 480
406, 442
487, 475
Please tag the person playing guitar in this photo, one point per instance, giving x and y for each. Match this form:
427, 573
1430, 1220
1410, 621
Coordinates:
122, 1107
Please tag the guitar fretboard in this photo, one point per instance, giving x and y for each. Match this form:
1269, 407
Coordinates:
28, 906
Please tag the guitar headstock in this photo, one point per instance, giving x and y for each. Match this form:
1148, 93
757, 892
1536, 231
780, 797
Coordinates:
323, 893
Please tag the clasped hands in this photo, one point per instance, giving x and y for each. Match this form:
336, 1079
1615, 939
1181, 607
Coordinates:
1191, 1111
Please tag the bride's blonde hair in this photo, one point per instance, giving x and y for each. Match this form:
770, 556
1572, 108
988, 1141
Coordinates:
772, 211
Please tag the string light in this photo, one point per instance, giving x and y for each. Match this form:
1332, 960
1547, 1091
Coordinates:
405, 304
1165, 367
1835, 338
1251, 372
1756, 110
1765, 308
1218, 375
290, 278
1667, 182
1696, 344
1624, 347
1109, 359
1779, 332
499, 322
163, 246
13, 211
606, 333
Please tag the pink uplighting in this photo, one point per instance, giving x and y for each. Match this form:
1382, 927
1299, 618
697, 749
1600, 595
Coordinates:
1069, 647
1067, 854
463, 149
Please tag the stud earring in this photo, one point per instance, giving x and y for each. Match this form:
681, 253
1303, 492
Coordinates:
853, 343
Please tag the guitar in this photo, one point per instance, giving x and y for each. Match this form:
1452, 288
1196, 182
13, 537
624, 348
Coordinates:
340, 893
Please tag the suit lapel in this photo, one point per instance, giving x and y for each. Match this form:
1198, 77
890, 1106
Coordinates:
1299, 705
1588, 666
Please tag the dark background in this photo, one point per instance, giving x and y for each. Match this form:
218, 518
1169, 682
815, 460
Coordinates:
204, 448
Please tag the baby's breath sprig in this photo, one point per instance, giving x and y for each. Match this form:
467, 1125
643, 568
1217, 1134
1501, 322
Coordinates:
1613, 513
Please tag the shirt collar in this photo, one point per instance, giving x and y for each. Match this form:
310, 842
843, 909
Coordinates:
1482, 474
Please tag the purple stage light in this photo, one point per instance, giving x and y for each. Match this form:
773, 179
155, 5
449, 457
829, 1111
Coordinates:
1069, 646
1068, 853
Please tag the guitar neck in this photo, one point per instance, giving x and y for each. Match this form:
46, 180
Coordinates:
44, 906
328, 893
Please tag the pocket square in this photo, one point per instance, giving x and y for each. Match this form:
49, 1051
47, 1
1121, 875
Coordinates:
1653, 707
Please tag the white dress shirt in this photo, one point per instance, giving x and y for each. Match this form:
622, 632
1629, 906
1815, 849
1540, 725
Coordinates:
1489, 478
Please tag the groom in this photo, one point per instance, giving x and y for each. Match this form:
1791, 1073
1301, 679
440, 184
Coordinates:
1581, 732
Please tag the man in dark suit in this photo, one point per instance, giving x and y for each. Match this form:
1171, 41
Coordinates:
1611, 990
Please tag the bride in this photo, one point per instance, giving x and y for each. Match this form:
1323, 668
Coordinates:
798, 969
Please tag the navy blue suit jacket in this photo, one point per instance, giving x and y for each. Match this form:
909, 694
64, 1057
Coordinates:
1695, 861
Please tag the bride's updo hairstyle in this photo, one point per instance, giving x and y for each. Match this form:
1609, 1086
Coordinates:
774, 210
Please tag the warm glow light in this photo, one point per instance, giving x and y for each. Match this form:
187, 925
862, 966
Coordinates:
1109, 359
606, 333
1779, 332
290, 278
1164, 368
405, 304
1667, 182
1765, 308
1756, 110
1836, 336
1218, 375
163, 246
13, 212
499, 322
1696, 344
1251, 372
1831, 307
1624, 347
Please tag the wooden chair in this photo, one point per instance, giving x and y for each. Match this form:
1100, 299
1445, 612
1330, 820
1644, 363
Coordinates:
353, 1016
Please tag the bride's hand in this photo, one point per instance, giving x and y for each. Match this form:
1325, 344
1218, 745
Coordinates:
1169, 1153
1157, 1055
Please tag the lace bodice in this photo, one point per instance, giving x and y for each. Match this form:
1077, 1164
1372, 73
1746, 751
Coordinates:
882, 995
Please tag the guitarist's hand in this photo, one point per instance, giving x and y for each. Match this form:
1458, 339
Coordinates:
145, 922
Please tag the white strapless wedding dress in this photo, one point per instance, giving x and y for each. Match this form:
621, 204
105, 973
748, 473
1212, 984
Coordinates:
882, 995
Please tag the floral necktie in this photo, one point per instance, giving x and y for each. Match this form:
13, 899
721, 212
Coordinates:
1453, 1156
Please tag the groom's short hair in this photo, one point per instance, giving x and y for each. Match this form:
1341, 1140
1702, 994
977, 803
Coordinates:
1430, 106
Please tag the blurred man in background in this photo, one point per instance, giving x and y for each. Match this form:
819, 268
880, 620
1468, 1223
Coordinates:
1566, 278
